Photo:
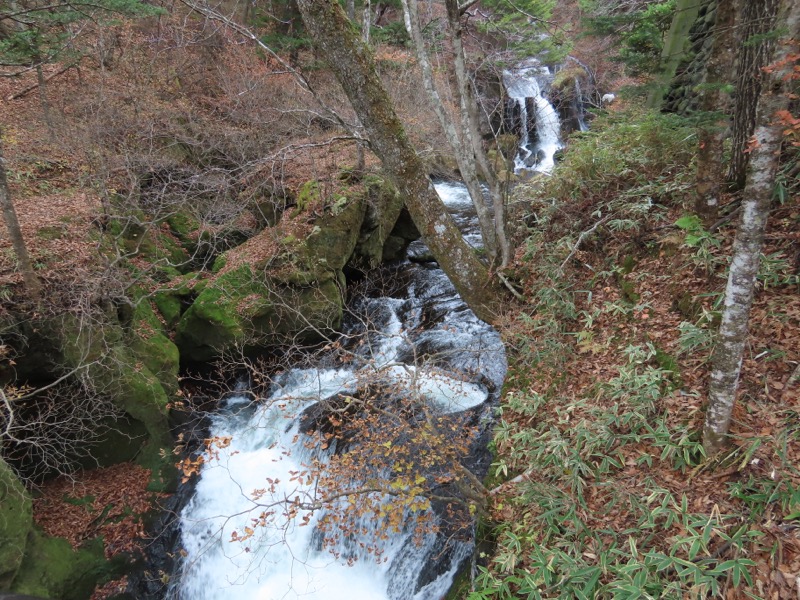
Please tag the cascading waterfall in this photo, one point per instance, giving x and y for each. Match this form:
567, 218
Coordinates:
537, 115
284, 558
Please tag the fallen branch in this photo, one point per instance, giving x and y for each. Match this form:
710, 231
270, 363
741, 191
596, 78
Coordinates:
580, 239
510, 287
32, 87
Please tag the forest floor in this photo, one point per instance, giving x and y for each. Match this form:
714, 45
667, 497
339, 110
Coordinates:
608, 382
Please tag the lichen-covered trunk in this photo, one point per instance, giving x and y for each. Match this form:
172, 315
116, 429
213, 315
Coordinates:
354, 66
711, 133
754, 49
32, 285
728, 354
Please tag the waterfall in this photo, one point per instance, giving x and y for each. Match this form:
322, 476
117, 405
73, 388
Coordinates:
266, 447
537, 116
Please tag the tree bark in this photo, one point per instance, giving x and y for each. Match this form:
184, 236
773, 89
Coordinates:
686, 12
354, 66
727, 359
711, 133
32, 286
754, 50
366, 22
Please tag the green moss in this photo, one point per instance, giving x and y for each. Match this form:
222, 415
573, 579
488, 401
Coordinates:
383, 212
184, 226
47, 566
250, 309
309, 194
337, 233
52, 569
170, 306
16, 519
122, 442
219, 263
149, 345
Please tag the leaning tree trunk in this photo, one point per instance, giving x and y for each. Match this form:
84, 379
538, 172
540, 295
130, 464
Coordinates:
753, 53
32, 285
711, 133
764, 159
354, 66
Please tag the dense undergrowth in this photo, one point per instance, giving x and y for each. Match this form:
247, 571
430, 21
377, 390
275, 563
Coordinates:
611, 495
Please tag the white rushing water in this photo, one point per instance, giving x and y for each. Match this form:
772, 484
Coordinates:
521, 84
283, 559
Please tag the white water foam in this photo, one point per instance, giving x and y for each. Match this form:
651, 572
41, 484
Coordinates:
282, 559
521, 84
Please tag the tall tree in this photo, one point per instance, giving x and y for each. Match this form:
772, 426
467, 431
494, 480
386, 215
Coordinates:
758, 193
354, 66
711, 133
753, 54
674, 49
458, 132
32, 285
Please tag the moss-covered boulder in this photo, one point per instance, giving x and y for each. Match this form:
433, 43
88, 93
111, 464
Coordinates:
387, 228
293, 293
154, 349
16, 519
115, 362
51, 568
248, 307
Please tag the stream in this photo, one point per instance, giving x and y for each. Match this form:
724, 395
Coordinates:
414, 334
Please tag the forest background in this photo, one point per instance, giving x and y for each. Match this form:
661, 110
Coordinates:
151, 152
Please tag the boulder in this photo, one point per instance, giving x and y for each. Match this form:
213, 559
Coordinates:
16, 520
295, 293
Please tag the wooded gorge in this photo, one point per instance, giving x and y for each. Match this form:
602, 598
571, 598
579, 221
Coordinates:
506, 294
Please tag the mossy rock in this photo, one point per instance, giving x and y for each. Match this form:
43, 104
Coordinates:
251, 309
52, 569
170, 306
16, 520
154, 349
107, 355
385, 217
293, 296
336, 233
185, 228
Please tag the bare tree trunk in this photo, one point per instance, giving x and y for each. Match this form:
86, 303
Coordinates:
739, 292
32, 286
457, 140
471, 132
353, 63
351, 10
43, 102
753, 52
711, 134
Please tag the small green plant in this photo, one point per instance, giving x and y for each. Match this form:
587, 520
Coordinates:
706, 246
776, 270
695, 339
